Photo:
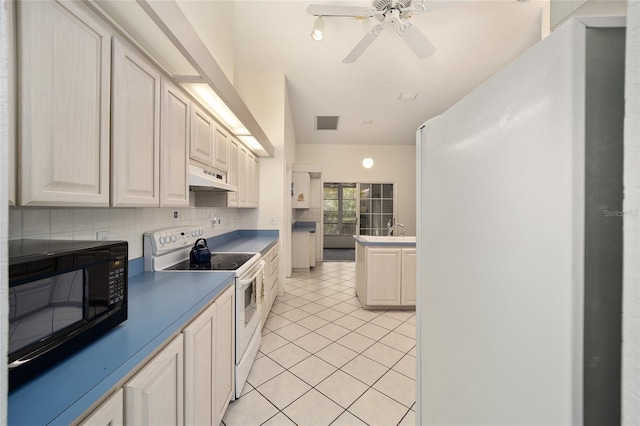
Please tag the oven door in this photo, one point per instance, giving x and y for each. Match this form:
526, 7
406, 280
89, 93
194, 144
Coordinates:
248, 307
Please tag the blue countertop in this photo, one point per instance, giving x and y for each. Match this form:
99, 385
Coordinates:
303, 227
160, 305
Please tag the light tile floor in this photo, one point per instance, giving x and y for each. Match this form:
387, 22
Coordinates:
326, 361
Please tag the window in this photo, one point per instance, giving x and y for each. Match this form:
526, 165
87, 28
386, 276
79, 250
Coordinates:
376, 208
340, 208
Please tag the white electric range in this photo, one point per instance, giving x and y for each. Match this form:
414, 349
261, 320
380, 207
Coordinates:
168, 250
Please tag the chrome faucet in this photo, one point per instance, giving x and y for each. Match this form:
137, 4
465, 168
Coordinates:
389, 228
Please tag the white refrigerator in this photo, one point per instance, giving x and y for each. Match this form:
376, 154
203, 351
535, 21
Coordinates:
520, 239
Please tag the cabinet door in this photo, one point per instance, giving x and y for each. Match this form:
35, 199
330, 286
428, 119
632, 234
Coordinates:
221, 152
255, 181
384, 269
135, 124
409, 272
243, 177
174, 147
155, 395
223, 352
109, 413
232, 173
301, 188
65, 75
199, 376
202, 131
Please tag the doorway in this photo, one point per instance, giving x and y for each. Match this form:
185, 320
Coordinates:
354, 209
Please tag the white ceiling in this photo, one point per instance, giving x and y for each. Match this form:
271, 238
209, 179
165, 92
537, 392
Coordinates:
474, 40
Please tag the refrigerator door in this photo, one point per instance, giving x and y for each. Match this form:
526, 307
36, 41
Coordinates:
501, 237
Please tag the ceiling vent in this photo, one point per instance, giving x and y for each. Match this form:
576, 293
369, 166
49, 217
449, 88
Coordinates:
327, 122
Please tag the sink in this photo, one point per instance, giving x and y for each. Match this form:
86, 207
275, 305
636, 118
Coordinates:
385, 239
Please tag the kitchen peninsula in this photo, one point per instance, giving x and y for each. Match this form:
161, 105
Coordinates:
386, 271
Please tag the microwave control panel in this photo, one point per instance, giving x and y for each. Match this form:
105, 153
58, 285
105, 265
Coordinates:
117, 284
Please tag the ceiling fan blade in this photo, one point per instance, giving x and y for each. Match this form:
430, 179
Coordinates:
416, 40
362, 45
331, 10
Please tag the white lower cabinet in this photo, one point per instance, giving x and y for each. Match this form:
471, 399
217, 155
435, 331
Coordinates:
199, 341
190, 381
386, 276
109, 413
224, 362
155, 395
271, 271
208, 363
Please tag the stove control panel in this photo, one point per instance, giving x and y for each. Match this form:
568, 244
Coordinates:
168, 240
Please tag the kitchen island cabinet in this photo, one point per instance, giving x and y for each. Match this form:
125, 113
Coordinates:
64, 90
386, 271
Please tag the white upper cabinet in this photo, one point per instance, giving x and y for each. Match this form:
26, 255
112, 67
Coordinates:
135, 121
301, 198
243, 177
64, 92
255, 181
174, 147
221, 151
232, 173
202, 133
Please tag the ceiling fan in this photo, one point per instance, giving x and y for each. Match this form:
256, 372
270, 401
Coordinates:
389, 13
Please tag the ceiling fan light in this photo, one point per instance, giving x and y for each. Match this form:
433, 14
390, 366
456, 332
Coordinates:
367, 163
318, 29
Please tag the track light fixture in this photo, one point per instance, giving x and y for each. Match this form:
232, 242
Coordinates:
318, 29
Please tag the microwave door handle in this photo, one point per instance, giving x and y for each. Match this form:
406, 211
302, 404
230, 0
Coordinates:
245, 281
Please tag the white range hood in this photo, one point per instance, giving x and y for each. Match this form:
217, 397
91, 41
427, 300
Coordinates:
201, 179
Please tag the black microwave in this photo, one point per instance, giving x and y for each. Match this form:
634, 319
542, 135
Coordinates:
63, 294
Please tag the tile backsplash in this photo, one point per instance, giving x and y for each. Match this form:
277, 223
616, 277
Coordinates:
122, 223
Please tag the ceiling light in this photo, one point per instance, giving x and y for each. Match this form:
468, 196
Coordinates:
318, 29
205, 94
367, 163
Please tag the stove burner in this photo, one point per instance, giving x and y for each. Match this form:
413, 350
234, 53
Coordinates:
219, 262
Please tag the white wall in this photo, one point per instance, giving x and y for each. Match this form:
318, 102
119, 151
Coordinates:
392, 163
266, 97
122, 223
213, 21
631, 271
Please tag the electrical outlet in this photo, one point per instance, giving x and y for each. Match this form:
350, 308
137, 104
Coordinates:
102, 235
175, 215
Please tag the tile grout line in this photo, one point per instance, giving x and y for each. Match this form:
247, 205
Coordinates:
316, 287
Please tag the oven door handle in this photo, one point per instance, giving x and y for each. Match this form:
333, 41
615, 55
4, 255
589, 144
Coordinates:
259, 270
